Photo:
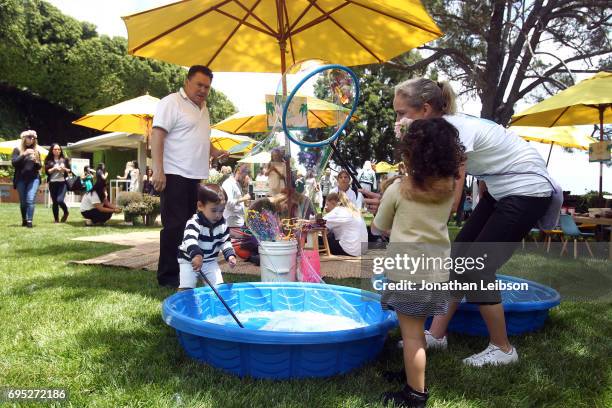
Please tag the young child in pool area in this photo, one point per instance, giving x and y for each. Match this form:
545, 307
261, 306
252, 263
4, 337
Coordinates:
206, 233
414, 210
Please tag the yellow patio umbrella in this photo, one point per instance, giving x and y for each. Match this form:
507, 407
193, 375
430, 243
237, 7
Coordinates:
564, 136
8, 146
384, 167
586, 103
261, 36
131, 116
320, 114
227, 141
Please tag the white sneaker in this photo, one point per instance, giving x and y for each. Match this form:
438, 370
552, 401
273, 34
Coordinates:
492, 355
433, 343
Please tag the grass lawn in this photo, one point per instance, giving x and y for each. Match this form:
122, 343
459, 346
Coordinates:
97, 331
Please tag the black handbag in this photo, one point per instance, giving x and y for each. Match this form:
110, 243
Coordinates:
75, 184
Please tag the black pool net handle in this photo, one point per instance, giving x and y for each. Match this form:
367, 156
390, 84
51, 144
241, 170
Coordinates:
219, 297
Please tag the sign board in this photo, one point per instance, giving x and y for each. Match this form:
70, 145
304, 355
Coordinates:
297, 113
77, 166
600, 151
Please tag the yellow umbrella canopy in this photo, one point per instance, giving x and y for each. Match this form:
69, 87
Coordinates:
321, 114
580, 104
262, 35
131, 116
10, 145
384, 167
586, 103
565, 136
226, 141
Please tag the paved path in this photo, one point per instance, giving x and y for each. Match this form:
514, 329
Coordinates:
144, 253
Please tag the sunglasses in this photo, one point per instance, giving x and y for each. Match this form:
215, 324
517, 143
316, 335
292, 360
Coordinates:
30, 137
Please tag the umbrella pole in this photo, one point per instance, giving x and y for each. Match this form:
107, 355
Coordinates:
549, 153
601, 138
280, 4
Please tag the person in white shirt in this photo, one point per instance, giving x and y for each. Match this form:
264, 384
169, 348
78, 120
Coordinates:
344, 186
180, 150
367, 177
234, 208
519, 195
261, 176
347, 231
95, 207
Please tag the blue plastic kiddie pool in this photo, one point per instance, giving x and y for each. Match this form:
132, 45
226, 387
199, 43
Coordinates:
525, 310
277, 354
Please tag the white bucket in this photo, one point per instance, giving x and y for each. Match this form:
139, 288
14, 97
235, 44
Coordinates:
278, 261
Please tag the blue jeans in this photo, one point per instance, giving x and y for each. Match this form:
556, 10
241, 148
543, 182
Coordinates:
27, 197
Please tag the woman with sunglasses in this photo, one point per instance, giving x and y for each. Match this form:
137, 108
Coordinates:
27, 163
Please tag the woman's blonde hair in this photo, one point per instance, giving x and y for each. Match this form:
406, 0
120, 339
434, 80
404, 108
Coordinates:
419, 91
22, 146
343, 201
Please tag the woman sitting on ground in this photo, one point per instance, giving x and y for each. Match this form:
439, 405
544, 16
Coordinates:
95, 207
346, 229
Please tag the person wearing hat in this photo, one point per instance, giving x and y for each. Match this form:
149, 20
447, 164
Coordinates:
27, 163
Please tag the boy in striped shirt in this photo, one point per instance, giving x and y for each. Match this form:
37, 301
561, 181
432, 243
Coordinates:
206, 233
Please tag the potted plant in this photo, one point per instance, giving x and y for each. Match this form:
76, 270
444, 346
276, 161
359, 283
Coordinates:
129, 201
153, 209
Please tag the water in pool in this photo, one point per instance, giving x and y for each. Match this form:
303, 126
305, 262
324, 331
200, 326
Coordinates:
290, 321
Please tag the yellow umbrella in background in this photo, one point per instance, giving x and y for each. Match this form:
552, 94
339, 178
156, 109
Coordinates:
131, 116
586, 103
261, 36
384, 167
564, 136
226, 141
321, 114
10, 145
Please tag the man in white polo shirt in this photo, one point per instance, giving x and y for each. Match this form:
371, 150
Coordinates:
180, 149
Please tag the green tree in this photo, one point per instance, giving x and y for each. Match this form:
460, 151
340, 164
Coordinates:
373, 136
64, 61
504, 50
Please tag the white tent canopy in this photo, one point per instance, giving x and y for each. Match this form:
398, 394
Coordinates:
107, 141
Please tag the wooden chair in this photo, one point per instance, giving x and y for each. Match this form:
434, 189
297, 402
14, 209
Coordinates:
312, 235
549, 234
571, 232
530, 235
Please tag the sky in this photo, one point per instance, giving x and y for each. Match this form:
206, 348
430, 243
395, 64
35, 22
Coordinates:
572, 170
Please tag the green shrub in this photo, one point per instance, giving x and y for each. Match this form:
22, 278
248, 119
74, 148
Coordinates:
153, 203
127, 197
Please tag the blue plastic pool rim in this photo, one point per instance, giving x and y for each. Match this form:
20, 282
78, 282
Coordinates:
554, 298
245, 335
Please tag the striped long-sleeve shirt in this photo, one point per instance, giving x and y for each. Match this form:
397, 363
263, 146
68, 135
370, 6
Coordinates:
201, 237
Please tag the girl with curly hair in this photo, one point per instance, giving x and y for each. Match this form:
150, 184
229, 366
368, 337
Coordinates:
414, 211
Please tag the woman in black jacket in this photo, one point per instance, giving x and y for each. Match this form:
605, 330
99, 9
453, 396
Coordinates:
56, 168
27, 163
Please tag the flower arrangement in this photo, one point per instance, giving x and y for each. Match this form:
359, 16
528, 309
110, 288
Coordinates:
266, 226
401, 127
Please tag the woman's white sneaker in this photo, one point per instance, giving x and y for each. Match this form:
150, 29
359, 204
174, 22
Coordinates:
492, 355
433, 343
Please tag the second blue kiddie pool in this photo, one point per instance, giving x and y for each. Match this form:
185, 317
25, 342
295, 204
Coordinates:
258, 353
525, 310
